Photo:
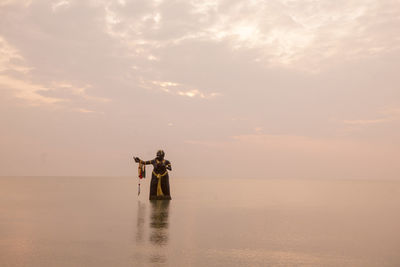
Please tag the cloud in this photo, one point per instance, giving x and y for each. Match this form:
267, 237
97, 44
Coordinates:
17, 77
70, 91
10, 58
28, 91
174, 88
218, 70
390, 115
304, 35
11, 61
196, 93
87, 111
59, 5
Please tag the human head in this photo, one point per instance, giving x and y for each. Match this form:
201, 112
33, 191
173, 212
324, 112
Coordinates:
160, 154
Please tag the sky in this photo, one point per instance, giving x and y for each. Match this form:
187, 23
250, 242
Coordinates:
277, 89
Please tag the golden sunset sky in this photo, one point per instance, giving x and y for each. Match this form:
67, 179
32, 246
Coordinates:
228, 88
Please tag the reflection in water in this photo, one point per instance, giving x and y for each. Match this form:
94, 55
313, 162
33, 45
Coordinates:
260, 223
159, 222
141, 212
159, 229
139, 254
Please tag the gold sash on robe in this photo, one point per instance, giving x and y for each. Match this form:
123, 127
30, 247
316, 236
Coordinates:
159, 189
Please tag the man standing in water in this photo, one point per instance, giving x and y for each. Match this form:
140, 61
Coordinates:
159, 185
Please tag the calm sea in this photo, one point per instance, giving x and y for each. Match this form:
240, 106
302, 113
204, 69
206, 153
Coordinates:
97, 221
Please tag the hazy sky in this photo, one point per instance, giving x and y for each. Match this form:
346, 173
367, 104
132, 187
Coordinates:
228, 88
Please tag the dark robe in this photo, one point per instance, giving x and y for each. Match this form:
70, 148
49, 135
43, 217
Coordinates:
159, 185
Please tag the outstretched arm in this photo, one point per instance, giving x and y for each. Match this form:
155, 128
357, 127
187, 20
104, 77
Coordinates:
142, 161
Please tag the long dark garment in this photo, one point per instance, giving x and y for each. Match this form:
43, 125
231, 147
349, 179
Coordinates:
159, 185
